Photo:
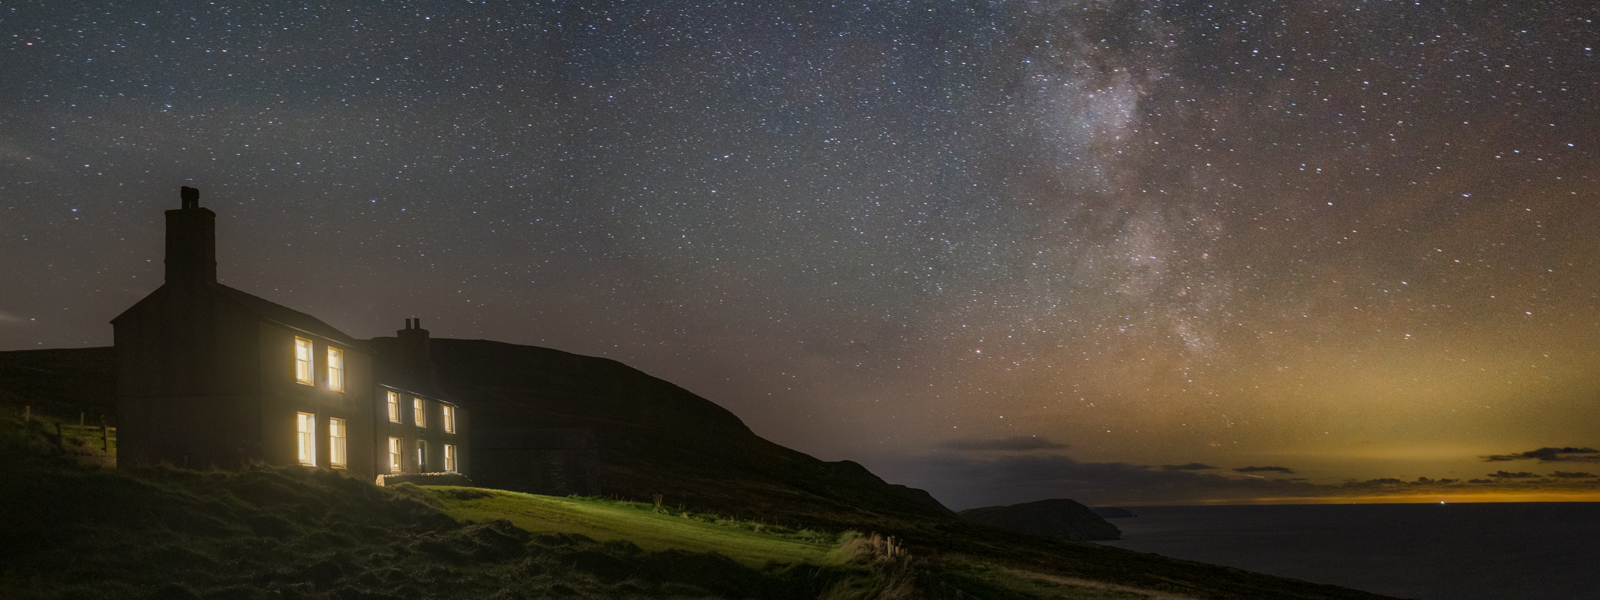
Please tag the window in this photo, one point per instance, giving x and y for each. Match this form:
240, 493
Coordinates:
422, 456
450, 458
336, 439
336, 369
394, 455
302, 361
306, 437
394, 407
448, 416
419, 412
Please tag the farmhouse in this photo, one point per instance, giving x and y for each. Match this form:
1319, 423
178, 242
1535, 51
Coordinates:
210, 376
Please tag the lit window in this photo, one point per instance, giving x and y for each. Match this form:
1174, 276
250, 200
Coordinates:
336, 439
448, 414
336, 369
450, 458
422, 456
394, 455
419, 412
302, 360
394, 407
307, 438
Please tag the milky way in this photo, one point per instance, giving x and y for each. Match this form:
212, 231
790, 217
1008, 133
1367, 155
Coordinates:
1353, 240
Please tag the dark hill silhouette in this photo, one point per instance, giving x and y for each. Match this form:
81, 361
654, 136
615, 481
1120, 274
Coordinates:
1062, 519
657, 438
61, 382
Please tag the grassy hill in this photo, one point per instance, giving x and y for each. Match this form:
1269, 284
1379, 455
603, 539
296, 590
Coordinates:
756, 520
657, 438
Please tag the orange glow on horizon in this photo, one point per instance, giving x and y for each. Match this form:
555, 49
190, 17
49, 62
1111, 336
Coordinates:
1465, 498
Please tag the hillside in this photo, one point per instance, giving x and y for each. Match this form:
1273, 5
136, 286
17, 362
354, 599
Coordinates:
289, 527
657, 438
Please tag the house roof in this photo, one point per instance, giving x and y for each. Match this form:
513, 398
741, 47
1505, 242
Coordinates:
265, 309
284, 315
434, 396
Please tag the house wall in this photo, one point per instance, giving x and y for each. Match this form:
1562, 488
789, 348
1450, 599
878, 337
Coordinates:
187, 381
408, 431
283, 397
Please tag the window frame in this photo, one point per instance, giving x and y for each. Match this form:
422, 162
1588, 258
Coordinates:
419, 412
305, 371
306, 438
336, 370
393, 402
450, 458
447, 418
422, 456
396, 455
338, 443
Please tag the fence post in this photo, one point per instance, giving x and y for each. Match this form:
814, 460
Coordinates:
80, 418
105, 437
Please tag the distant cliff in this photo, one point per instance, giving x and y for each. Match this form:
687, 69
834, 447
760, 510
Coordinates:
1063, 519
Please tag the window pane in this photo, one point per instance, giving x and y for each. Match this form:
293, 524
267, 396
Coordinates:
394, 407
336, 442
302, 360
449, 458
422, 456
305, 438
449, 415
420, 416
335, 369
394, 455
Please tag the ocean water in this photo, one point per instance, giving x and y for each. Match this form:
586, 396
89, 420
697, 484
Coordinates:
1424, 551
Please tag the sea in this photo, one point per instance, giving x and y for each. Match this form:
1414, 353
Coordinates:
1499, 551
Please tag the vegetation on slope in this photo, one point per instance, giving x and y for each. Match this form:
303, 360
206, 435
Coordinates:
650, 527
284, 532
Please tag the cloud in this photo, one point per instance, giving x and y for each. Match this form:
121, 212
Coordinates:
1571, 474
1547, 454
1187, 467
1506, 475
1021, 443
1263, 470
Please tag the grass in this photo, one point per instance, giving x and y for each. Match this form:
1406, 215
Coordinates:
650, 527
77, 532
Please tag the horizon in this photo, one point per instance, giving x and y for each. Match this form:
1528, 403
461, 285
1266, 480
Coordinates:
1000, 252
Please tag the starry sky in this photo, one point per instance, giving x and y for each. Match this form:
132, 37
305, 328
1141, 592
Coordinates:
1113, 250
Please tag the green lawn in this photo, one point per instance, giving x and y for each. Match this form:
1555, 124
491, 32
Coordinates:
651, 528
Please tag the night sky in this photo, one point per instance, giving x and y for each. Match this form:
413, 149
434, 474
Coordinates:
1116, 251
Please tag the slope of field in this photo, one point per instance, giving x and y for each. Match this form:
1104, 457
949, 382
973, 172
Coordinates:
650, 527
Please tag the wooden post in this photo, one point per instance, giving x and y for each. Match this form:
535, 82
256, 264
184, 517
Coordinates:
80, 418
105, 438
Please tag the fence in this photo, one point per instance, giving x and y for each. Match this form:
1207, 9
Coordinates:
106, 433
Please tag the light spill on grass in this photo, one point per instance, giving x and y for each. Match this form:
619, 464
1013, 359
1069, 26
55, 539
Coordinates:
641, 524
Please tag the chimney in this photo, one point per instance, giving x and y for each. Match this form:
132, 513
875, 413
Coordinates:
191, 241
416, 365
